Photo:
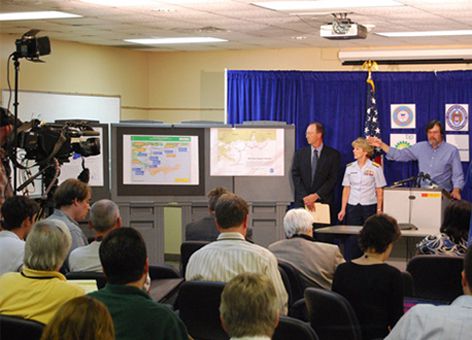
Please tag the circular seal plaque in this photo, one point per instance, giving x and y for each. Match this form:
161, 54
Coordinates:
456, 117
403, 116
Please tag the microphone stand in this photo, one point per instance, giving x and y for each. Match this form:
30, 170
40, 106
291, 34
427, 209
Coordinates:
411, 197
16, 63
409, 225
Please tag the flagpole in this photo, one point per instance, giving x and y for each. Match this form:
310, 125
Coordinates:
372, 125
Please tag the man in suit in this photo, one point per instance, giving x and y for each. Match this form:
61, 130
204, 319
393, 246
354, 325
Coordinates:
205, 228
315, 170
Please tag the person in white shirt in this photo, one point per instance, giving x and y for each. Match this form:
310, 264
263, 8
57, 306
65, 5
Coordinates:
362, 196
249, 307
231, 254
19, 213
363, 184
104, 217
428, 322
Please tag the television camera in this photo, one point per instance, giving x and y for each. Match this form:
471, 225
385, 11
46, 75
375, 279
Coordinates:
48, 146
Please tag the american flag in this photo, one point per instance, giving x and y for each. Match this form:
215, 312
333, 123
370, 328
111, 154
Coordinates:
372, 126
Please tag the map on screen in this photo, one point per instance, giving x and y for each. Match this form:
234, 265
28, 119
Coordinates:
246, 152
160, 160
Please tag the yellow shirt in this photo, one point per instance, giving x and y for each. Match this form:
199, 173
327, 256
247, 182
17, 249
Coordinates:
34, 294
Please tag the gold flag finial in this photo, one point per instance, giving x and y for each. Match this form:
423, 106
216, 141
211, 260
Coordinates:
370, 65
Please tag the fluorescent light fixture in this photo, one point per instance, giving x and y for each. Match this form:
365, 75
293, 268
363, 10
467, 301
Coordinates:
179, 40
121, 3
424, 33
292, 6
36, 15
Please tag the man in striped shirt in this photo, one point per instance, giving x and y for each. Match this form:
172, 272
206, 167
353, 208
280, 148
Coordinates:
231, 254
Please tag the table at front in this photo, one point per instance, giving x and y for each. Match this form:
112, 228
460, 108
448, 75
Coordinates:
403, 250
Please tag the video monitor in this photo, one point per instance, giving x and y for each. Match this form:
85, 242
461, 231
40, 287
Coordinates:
160, 161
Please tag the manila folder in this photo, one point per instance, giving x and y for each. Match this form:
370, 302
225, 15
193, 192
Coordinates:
321, 213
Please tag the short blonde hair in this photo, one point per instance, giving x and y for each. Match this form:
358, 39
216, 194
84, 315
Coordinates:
249, 306
81, 318
362, 143
298, 221
47, 245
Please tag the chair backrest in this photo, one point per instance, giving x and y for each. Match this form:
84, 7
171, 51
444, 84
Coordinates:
291, 328
187, 248
293, 276
16, 328
97, 276
163, 271
199, 303
331, 315
408, 284
436, 277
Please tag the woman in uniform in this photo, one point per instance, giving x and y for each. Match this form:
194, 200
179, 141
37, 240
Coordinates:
362, 197
363, 186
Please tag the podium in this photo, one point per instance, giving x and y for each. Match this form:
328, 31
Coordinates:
422, 207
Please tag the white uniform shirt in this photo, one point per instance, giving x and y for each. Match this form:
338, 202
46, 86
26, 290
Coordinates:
231, 255
363, 182
12, 251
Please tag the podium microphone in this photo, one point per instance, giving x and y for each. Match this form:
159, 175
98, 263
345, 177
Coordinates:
403, 181
431, 181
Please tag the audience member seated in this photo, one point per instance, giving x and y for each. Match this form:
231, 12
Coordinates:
249, 308
231, 254
429, 322
39, 290
135, 315
18, 213
374, 289
104, 217
205, 228
81, 318
72, 199
452, 239
315, 261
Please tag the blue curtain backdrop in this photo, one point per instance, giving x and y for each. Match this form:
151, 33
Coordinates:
338, 100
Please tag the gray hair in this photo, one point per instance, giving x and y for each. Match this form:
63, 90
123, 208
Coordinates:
47, 245
103, 215
249, 306
298, 221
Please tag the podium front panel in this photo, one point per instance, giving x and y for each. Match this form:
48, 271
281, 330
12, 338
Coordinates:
426, 207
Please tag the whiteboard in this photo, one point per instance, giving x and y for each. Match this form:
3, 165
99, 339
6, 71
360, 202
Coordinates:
49, 106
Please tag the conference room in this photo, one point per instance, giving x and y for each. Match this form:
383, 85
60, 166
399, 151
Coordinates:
230, 88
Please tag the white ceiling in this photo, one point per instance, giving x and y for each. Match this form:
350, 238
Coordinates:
240, 22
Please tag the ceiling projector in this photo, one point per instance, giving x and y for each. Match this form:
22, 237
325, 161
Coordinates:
343, 29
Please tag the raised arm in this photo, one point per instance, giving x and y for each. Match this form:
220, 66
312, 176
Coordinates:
377, 142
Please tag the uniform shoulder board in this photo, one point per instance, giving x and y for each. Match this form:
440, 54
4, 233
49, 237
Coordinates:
376, 164
352, 163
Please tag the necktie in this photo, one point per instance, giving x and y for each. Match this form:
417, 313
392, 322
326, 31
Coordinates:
314, 162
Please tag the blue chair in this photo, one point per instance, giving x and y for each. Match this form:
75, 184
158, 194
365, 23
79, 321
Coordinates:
331, 315
291, 328
436, 277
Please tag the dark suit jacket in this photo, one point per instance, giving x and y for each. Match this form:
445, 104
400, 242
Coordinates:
205, 230
202, 230
325, 177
